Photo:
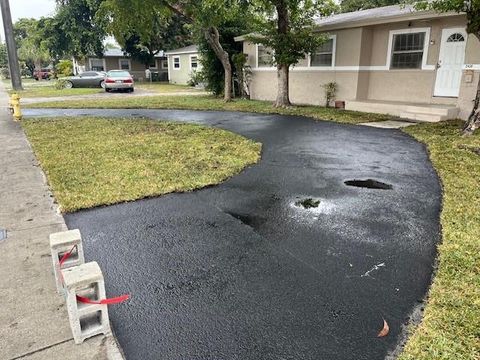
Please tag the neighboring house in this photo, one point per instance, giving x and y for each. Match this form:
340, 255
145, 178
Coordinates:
181, 63
115, 59
414, 64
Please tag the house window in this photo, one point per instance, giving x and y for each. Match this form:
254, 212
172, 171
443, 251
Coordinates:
193, 62
164, 64
264, 56
176, 62
124, 64
456, 38
407, 50
153, 64
324, 55
97, 65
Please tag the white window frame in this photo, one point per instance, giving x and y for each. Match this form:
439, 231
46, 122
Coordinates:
190, 61
179, 63
256, 59
425, 47
334, 52
154, 67
103, 61
129, 64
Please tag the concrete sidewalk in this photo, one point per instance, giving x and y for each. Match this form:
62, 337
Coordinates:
33, 317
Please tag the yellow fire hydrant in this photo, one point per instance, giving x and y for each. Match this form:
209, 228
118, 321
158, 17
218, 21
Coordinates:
15, 106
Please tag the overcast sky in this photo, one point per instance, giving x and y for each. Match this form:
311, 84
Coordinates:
30, 9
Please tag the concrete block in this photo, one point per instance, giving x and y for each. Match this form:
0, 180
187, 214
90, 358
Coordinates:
60, 244
86, 320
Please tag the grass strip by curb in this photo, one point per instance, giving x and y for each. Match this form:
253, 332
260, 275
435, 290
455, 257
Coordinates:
212, 103
100, 161
450, 329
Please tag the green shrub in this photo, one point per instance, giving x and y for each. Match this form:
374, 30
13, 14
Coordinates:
60, 84
65, 68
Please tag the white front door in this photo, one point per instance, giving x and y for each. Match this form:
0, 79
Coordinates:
450, 62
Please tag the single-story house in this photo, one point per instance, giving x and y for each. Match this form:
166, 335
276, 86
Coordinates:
415, 64
115, 59
182, 63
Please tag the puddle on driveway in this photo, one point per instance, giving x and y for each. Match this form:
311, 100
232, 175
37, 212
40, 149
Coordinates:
308, 203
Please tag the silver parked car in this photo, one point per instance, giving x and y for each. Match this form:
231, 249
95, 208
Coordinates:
86, 79
119, 80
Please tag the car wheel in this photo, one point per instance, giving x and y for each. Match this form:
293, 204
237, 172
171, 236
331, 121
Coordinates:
102, 84
68, 85
131, 90
107, 90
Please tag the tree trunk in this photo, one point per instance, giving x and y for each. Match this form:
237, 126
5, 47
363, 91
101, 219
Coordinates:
283, 99
473, 122
213, 38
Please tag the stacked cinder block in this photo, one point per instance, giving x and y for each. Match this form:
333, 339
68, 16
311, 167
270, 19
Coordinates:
78, 280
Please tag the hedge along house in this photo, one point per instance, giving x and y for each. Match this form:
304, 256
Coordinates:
182, 63
414, 64
115, 59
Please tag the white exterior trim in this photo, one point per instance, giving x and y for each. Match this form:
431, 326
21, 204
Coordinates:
179, 62
103, 60
256, 60
334, 52
343, 68
425, 46
190, 61
120, 63
153, 67
182, 52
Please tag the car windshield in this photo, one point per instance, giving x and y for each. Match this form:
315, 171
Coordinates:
119, 74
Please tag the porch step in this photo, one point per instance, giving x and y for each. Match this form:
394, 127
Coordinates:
417, 112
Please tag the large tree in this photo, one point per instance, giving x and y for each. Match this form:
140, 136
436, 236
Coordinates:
204, 17
472, 10
141, 34
212, 71
77, 33
288, 29
31, 43
355, 5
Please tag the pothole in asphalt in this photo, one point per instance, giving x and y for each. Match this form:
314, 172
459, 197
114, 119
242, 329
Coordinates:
307, 203
369, 184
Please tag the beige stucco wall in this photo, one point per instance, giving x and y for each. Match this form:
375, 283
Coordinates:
381, 33
305, 87
181, 76
366, 48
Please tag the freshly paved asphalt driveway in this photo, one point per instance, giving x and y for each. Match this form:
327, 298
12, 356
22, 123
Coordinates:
236, 271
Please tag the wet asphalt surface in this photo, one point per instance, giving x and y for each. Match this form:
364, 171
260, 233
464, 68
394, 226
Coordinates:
237, 271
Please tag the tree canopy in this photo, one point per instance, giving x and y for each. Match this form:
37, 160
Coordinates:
355, 5
287, 27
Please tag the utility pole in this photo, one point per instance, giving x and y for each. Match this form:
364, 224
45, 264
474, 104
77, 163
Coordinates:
11, 47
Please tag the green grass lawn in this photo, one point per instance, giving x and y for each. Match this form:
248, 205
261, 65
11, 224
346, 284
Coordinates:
164, 87
101, 161
213, 103
46, 88
451, 326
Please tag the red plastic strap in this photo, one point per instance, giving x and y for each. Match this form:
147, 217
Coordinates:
111, 301
67, 255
